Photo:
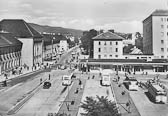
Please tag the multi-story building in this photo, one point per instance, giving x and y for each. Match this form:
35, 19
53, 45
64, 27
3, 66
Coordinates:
107, 45
63, 44
31, 39
10, 52
155, 33
51, 45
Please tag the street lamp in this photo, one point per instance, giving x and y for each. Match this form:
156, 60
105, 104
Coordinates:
52, 48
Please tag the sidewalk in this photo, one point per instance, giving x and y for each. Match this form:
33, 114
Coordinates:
10, 76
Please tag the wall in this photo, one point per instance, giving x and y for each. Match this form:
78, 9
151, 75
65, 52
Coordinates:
147, 36
38, 52
27, 51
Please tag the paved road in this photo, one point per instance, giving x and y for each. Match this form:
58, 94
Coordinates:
146, 107
67, 55
16, 93
46, 100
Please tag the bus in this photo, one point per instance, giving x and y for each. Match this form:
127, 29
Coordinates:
131, 83
157, 93
67, 80
105, 78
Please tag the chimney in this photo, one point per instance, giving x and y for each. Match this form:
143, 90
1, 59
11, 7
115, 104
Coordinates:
111, 30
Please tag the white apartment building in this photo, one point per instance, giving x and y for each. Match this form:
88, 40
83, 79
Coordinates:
155, 33
107, 45
63, 45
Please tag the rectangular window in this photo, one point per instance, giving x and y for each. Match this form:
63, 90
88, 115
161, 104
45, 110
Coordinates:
116, 43
99, 43
105, 43
110, 55
116, 56
162, 26
162, 56
110, 43
161, 19
105, 55
162, 34
99, 49
162, 41
116, 49
162, 49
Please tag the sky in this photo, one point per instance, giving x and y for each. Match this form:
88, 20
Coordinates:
121, 15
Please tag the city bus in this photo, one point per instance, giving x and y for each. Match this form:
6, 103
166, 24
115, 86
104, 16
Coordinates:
131, 83
105, 78
67, 80
157, 93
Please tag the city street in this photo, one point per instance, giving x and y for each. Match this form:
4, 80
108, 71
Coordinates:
46, 100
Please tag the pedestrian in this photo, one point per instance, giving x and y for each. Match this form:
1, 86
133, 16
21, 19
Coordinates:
93, 77
49, 77
80, 82
41, 80
118, 78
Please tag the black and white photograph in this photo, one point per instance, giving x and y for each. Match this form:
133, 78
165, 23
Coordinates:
83, 57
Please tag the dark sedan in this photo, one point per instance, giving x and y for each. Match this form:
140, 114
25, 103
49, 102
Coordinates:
46, 85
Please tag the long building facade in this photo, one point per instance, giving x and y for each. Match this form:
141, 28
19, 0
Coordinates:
10, 52
31, 39
155, 33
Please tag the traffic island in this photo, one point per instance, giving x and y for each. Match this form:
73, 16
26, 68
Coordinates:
124, 101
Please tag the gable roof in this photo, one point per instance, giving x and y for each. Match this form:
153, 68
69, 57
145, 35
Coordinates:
7, 39
19, 28
108, 36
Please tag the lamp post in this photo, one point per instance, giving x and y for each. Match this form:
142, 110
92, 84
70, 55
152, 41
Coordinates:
52, 48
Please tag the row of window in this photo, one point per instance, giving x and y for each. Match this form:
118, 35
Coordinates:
105, 43
162, 49
162, 34
105, 56
105, 50
164, 19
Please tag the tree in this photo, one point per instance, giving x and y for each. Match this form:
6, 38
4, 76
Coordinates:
127, 49
86, 40
100, 107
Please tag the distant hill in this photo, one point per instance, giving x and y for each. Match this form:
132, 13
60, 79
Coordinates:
49, 29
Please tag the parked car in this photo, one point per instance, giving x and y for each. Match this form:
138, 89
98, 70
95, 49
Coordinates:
63, 67
46, 85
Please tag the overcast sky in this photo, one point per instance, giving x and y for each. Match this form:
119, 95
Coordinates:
120, 15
